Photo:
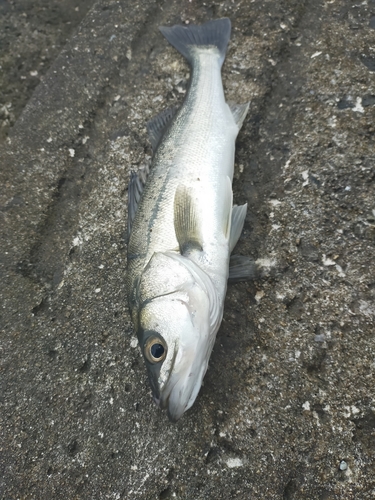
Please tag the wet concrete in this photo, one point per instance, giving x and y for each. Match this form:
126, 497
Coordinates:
287, 407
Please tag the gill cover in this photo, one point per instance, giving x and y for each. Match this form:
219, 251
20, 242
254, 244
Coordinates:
180, 314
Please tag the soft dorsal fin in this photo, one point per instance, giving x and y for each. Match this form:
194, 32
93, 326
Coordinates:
158, 125
136, 185
239, 112
186, 221
238, 219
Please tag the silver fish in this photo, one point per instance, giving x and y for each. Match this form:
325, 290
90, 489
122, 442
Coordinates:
183, 226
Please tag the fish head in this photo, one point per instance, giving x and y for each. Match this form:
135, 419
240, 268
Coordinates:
174, 335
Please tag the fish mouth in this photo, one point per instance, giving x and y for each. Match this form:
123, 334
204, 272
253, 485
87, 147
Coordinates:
180, 393
174, 412
166, 401
163, 404
173, 417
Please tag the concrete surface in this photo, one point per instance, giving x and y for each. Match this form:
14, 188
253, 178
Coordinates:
287, 410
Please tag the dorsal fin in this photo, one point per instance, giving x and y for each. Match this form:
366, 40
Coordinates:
158, 125
136, 185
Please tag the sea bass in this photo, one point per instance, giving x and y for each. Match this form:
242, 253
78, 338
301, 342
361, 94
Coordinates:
183, 226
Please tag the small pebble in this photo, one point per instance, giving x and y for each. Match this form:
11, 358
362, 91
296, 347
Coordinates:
343, 465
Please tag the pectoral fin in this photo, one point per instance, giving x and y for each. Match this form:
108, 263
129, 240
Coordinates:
186, 221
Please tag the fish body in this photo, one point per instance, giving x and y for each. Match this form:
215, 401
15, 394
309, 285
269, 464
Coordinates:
183, 224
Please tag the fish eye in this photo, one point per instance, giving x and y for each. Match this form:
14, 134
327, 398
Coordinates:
155, 350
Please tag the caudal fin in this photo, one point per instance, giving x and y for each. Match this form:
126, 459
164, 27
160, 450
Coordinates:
211, 34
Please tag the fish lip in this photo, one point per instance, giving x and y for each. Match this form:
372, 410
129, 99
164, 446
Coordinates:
174, 410
163, 402
178, 394
164, 405
160, 399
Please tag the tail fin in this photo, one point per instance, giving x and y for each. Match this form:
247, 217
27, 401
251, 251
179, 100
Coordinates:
184, 38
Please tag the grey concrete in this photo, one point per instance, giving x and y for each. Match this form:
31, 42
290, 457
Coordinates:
32, 34
287, 409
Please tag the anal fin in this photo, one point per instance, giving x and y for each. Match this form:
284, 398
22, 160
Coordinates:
186, 221
238, 219
227, 202
239, 112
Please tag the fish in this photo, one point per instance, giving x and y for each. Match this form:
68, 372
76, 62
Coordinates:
183, 226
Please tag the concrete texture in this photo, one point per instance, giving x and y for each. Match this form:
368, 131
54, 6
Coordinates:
287, 410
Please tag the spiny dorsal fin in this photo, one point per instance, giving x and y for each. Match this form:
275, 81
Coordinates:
158, 125
136, 185
186, 221
238, 219
239, 112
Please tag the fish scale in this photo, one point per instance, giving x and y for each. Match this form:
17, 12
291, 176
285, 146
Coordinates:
181, 238
193, 148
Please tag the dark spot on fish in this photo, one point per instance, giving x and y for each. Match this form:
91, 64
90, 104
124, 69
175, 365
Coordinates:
198, 179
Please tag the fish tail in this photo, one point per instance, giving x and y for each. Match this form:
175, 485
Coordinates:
213, 33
